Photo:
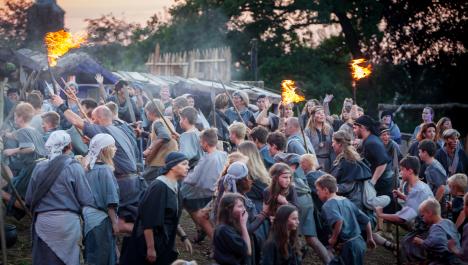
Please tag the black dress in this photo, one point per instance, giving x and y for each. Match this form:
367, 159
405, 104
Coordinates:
229, 246
272, 255
160, 210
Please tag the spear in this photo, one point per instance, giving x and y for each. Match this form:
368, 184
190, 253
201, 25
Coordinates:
213, 99
74, 97
160, 113
232, 101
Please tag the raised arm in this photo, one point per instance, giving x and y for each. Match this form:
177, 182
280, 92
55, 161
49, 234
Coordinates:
102, 90
72, 117
262, 118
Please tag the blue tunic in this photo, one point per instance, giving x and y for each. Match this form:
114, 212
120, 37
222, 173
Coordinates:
341, 209
436, 243
99, 240
103, 186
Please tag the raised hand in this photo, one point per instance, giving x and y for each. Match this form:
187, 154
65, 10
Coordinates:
99, 79
328, 98
57, 100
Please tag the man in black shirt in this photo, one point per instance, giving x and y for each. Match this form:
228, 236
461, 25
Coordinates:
120, 99
373, 151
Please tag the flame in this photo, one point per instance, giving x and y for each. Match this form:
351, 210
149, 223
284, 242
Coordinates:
358, 71
288, 93
60, 42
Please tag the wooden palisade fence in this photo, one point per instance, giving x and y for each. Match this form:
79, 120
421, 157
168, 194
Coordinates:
209, 64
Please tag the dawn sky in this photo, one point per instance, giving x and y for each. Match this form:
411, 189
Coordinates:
132, 10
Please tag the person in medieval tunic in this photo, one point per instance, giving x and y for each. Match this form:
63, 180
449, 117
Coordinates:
161, 141
320, 134
218, 118
199, 185
441, 231
130, 184
241, 106
190, 139
119, 97
153, 236
345, 222
57, 192
30, 148
100, 221
295, 142
373, 151
451, 156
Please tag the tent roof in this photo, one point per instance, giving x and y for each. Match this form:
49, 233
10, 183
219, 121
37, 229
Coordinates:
153, 83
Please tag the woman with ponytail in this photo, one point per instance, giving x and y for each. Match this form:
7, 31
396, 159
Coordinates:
349, 169
351, 172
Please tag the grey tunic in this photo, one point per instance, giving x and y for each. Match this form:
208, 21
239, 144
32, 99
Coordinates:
436, 243
435, 175
104, 186
30, 138
419, 193
295, 145
57, 214
125, 158
323, 147
200, 183
189, 143
354, 220
69, 192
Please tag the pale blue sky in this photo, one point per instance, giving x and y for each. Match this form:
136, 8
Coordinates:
132, 10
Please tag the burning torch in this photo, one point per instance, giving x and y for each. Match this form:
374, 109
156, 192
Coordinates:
58, 44
289, 95
358, 72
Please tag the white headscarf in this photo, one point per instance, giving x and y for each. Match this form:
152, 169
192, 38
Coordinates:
98, 142
56, 142
237, 170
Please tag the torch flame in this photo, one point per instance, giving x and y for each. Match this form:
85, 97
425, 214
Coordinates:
359, 71
60, 42
288, 93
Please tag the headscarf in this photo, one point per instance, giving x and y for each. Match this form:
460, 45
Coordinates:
56, 142
236, 171
98, 142
172, 159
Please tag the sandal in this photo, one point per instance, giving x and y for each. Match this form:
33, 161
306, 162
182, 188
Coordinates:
389, 246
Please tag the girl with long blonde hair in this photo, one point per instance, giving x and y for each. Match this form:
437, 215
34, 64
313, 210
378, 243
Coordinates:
99, 237
320, 134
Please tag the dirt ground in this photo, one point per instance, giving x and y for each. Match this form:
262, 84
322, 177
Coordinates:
20, 253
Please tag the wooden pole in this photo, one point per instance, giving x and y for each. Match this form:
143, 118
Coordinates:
2, 221
75, 97
213, 99
232, 102
8, 176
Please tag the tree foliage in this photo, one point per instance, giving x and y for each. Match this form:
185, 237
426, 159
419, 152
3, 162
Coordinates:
416, 47
13, 20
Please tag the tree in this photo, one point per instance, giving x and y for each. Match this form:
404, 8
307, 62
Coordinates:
13, 21
109, 29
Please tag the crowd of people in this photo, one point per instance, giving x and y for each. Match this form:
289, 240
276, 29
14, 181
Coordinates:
263, 186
